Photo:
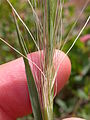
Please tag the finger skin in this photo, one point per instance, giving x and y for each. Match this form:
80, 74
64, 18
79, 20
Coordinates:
14, 96
4, 116
73, 118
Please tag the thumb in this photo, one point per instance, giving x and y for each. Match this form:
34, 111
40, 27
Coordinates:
14, 96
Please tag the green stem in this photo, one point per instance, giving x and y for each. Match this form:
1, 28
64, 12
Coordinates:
48, 112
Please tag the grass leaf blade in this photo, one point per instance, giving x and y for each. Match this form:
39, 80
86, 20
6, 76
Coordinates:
30, 80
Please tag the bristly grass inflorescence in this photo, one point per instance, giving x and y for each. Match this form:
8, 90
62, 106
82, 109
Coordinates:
49, 37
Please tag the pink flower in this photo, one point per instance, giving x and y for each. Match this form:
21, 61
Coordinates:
85, 38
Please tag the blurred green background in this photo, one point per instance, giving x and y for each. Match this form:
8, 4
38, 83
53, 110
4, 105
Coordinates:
74, 99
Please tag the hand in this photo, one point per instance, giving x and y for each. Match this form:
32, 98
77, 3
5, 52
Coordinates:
14, 96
